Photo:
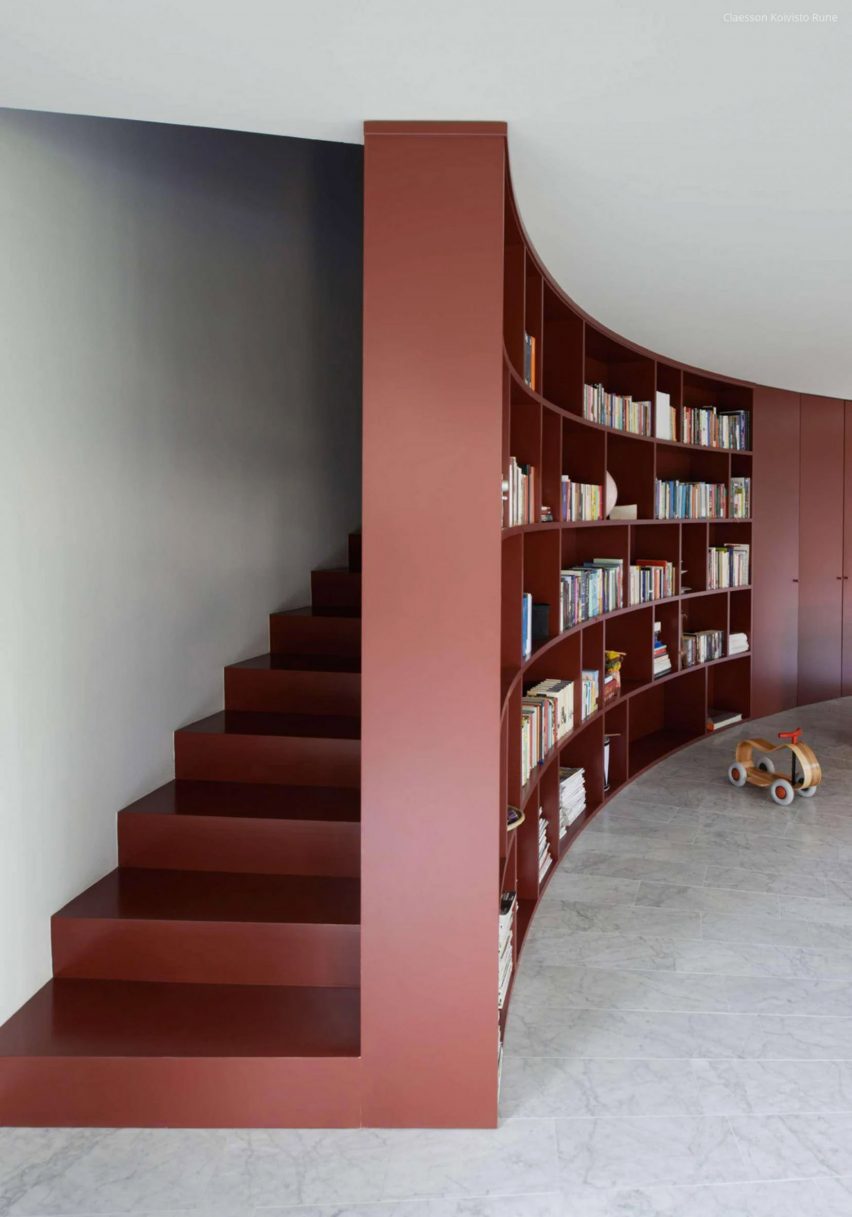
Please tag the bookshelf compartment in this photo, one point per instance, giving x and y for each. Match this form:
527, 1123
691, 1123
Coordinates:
705, 391
527, 852
583, 457
551, 464
593, 660
525, 433
533, 323
740, 612
694, 540
708, 612
585, 750
549, 801
617, 367
668, 617
665, 717
631, 466
729, 685
562, 661
562, 367
581, 545
541, 577
510, 607
729, 532
675, 463
615, 727
657, 543
633, 634
670, 380
513, 756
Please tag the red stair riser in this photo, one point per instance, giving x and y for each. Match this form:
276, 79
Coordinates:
238, 844
288, 760
206, 952
284, 691
335, 589
291, 633
180, 1092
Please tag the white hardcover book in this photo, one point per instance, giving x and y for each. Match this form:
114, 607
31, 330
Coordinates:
663, 415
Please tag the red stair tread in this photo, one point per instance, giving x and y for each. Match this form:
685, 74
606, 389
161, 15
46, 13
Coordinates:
310, 610
174, 895
112, 1018
247, 801
247, 722
301, 663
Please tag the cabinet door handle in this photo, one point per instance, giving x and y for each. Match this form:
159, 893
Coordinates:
795, 580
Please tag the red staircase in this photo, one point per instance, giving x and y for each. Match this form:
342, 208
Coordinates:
213, 978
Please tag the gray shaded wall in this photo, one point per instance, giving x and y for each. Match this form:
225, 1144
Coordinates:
180, 378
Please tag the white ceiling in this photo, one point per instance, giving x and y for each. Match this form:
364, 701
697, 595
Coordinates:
686, 179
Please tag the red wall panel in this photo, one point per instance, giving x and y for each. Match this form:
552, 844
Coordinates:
433, 339
775, 541
847, 556
821, 548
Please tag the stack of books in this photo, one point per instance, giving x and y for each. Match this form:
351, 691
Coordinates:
612, 675
520, 496
717, 719
675, 500
538, 734
703, 645
728, 566
607, 749
662, 659
740, 498
572, 797
591, 589
737, 644
712, 428
620, 413
666, 417
545, 857
529, 360
590, 690
581, 501
559, 694
651, 579
526, 625
508, 904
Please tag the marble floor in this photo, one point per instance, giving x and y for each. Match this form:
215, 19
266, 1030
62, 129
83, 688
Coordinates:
679, 1042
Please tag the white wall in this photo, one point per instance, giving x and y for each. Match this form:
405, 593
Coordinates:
180, 444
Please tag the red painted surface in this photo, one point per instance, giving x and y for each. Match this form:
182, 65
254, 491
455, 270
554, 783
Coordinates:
775, 537
846, 656
433, 335
821, 549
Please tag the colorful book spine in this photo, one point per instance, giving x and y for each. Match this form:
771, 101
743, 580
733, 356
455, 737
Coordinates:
621, 413
728, 566
581, 501
651, 579
675, 500
711, 428
740, 498
520, 494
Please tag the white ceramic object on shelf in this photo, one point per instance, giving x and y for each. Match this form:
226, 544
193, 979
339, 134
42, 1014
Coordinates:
611, 493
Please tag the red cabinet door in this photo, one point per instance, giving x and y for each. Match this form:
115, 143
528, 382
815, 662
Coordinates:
820, 548
775, 552
847, 558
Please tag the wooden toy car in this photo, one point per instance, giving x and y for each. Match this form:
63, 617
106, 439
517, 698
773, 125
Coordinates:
804, 777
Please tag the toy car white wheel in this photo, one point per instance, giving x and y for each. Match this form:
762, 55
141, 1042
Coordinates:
766, 765
781, 792
808, 792
737, 774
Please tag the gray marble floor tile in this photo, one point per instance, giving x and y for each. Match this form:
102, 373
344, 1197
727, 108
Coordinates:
798, 1037
616, 866
607, 1152
795, 1198
767, 995
552, 1086
797, 1146
749, 879
824, 912
630, 1033
707, 899
539, 987
772, 930
576, 916
542, 1205
127, 1171
784, 1087
591, 889
372, 1165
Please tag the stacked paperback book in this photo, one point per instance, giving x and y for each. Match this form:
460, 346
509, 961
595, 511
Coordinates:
581, 501
737, 644
508, 904
662, 659
547, 716
676, 500
612, 675
620, 413
717, 719
591, 589
526, 625
572, 798
651, 579
740, 498
545, 857
666, 417
590, 692
520, 494
712, 428
728, 566
703, 645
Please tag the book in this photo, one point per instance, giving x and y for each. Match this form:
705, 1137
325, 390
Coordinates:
740, 498
711, 428
547, 716
676, 500
621, 413
624, 511
701, 646
607, 748
665, 417
572, 797
526, 625
591, 589
717, 719
519, 495
662, 663
581, 500
545, 857
589, 692
728, 566
737, 644
650, 579
529, 360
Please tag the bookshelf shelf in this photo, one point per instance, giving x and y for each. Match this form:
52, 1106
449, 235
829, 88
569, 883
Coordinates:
545, 430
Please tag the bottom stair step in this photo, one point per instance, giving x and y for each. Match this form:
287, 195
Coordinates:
118, 1054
